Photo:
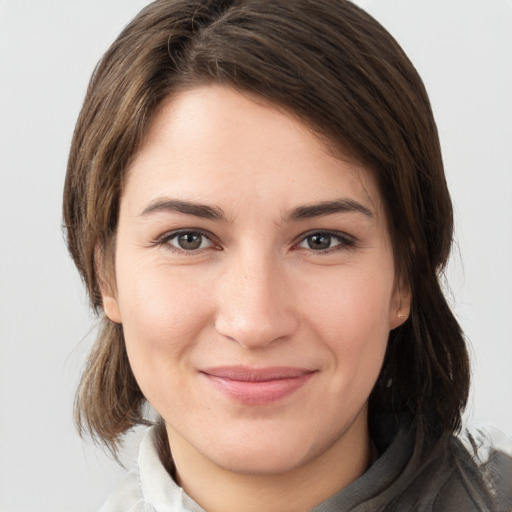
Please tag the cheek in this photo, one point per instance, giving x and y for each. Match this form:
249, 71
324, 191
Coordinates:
162, 315
351, 303
350, 314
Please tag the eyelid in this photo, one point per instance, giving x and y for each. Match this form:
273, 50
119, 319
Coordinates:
346, 241
163, 240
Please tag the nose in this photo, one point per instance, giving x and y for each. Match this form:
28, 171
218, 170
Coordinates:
255, 304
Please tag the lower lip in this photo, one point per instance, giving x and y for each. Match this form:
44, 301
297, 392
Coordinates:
258, 393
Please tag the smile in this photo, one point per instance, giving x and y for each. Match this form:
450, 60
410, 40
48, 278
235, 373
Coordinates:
260, 386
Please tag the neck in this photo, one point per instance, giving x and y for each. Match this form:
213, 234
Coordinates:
217, 489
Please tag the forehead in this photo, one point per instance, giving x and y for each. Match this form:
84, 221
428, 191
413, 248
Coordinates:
213, 143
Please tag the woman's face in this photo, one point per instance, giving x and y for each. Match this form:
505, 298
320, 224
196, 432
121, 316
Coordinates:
255, 283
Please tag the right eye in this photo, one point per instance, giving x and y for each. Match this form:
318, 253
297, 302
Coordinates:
188, 241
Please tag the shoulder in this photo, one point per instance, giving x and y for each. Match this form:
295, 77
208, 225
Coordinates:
148, 487
491, 451
482, 471
127, 497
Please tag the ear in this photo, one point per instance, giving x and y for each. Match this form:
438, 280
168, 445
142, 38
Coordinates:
107, 289
400, 305
111, 308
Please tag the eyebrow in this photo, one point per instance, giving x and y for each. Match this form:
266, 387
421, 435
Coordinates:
328, 208
184, 207
214, 213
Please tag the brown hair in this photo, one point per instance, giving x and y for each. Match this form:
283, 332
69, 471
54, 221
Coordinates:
339, 71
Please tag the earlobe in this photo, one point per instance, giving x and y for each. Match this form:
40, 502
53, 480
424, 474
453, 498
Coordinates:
111, 309
104, 270
401, 307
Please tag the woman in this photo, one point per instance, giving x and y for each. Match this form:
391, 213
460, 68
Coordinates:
256, 201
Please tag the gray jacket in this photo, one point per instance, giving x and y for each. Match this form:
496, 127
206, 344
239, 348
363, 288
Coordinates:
470, 472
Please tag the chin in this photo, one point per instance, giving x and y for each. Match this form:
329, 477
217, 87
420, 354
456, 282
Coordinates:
259, 460
276, 452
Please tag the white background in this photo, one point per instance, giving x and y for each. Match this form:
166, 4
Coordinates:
463, 50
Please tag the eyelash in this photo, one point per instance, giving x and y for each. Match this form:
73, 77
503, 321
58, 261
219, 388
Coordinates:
345, 242
167, 237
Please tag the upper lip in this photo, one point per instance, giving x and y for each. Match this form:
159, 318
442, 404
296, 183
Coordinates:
248, 374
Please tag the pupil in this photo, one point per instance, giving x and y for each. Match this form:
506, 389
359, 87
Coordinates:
319, 241
189, 241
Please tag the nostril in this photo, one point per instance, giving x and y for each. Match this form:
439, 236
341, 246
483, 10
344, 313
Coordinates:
254, 305
252, 330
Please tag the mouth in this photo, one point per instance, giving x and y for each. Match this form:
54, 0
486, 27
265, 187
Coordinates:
257, 386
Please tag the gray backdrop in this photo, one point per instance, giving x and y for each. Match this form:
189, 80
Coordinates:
463, 50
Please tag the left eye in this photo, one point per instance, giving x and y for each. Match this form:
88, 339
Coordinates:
189, 241
323, 241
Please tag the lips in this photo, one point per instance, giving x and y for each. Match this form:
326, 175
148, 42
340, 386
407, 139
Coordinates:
257, 386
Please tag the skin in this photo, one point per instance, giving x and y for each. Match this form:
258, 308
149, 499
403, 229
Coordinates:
265, 285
